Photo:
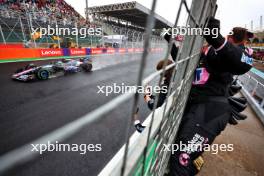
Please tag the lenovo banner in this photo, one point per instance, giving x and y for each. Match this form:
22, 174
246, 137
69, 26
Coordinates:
50, 52
77, 52
96, 51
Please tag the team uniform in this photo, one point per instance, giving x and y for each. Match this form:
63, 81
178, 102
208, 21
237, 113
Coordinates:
210, 106
208, 109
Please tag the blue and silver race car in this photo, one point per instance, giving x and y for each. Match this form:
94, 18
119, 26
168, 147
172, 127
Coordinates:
65, 66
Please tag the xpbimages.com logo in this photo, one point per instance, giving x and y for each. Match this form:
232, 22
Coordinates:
122, 89
187, 30
60, 147
58, 31
190, 148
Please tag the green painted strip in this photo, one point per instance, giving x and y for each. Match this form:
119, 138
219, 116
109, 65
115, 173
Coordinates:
150, 158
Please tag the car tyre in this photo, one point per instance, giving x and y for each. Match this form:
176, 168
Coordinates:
43, 74
87, 67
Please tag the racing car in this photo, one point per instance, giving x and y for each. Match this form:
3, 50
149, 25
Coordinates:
65, 66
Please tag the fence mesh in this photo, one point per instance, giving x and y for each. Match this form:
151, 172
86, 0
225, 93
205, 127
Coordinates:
142, 154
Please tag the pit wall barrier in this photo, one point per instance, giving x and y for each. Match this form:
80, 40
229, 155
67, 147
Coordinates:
24, 54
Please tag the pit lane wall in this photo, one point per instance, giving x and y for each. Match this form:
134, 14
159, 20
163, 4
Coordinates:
28, 54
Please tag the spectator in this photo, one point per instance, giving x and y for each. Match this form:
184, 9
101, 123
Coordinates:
42, 10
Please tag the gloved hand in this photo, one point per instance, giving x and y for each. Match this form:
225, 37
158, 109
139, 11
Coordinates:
139, 127
167, 37
174, 49
238, 116
234, 89
216, 40
234, 117
242, 100
213, 23
232, 121
237, 105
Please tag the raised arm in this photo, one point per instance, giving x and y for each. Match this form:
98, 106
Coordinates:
227, 57
174, 49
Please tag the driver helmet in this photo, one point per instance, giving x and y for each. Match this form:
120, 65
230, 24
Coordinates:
63, 60
31, 65
59, 64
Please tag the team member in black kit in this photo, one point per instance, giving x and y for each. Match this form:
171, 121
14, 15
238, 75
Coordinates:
208, 110
149, 98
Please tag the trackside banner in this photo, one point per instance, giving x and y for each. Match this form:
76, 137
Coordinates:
110, 50
78, 52
16, 54
50, 52
96, 50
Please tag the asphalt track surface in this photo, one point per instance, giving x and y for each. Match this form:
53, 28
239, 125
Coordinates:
30, 110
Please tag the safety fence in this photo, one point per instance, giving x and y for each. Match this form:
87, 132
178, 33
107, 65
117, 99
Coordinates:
19, 28
253, 90
142, 153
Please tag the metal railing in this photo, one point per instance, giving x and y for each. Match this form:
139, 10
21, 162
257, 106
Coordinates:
253, 90
17, 28
141, 154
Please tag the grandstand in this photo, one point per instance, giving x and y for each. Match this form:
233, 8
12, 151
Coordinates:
127, 18
45, 11
18, 18
133, 13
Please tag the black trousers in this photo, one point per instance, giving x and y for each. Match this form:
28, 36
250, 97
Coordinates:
200, 125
